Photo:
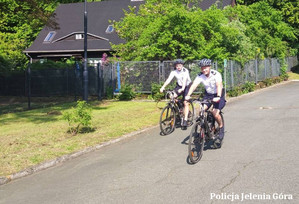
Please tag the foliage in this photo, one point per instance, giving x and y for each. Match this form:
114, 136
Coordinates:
127, 93
266, 29
268, 82
248, 87
4, 65
236, 91
21, 21
109, 92
155, 89
49, 64
173, 30
237, 43
170, 31
283, 72
79, 116
288, 8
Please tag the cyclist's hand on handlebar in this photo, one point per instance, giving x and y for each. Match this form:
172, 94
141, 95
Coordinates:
161, 90
187, 98
180, 90
216, 99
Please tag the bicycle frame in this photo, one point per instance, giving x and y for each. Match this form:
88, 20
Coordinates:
203, 117
173, 103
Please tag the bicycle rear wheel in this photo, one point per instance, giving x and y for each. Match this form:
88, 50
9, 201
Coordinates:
196, 142
167, 120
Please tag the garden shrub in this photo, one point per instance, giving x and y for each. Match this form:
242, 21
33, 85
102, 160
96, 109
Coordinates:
268, 82
127, 93
248, 87
109, 92
155, 89
77, 117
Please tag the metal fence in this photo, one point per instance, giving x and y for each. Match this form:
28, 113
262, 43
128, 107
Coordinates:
141, 75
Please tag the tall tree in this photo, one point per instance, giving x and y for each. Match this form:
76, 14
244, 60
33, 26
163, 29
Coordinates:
20, 23
169, 31
289, 10
266, 29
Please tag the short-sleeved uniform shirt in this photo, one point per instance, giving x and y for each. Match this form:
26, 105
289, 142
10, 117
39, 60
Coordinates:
211, 88
209, 82
180, 75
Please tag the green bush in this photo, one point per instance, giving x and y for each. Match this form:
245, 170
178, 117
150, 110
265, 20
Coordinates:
236, 91
79, 116
49, 64
283, 72
109, 92
268, 81
127, 93
248, 87
155, 89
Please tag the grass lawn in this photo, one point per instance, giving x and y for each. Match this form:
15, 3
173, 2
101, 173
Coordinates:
294, 75
31, 137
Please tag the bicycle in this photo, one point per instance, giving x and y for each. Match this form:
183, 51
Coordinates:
173, 114
204, 130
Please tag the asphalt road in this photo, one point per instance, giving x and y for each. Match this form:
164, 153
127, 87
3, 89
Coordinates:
257, 164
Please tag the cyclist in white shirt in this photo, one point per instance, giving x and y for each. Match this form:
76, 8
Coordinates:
212, 81
183, 84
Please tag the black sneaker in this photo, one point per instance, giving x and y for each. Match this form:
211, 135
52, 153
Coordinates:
218, 143
221, 133
184, 125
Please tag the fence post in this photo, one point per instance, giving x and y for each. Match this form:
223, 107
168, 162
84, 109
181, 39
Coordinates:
162, 71
67, 81
113, 77
265, 64
225, 80
256, 78
232, 73
29, 85
159, 70
118, 77
99, 74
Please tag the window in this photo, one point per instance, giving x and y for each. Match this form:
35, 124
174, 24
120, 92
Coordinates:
109, 29
79, 36
50, 36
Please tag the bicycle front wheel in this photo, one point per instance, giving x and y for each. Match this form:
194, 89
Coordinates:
196, 142
190, 114
167, 120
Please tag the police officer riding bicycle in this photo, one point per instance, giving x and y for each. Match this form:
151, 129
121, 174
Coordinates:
212, 81
183, 85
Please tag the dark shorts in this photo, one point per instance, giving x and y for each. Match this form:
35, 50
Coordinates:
183, 93
219, 105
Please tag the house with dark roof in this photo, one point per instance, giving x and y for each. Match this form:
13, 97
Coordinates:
66, 38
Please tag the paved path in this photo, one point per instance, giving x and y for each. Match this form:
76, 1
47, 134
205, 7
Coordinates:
258, 162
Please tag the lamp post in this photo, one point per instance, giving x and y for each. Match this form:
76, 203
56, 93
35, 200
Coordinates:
85, 71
